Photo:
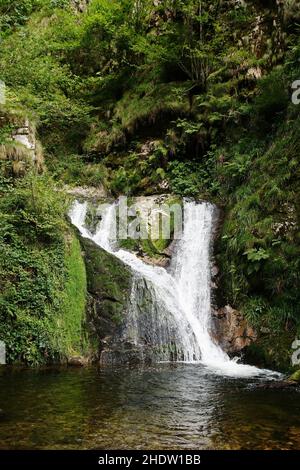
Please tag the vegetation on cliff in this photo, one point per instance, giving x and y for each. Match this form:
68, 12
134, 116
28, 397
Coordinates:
148, 96
43, 286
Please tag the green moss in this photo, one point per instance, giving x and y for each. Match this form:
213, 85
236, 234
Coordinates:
295, 377
162, 243
73, 305
108, 285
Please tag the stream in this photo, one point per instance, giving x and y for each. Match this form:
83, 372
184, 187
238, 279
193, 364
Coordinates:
169, 406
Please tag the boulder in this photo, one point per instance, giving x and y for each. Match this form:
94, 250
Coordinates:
78, 361
231, 330
108, 285
295, 377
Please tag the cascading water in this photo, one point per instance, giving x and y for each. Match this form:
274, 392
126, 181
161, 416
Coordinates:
181, 298
191, 268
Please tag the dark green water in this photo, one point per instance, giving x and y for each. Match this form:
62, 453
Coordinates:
167, 407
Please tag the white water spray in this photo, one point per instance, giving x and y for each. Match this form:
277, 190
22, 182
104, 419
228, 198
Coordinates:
184, 292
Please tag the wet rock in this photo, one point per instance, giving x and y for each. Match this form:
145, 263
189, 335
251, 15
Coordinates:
154, 247
231, 330
254, 72
108, 285
160, 262
214, 271
123, 353
148, 148
78, 361
278, 385
164, 185
148, 335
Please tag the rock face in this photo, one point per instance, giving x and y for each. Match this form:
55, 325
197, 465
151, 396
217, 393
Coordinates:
125, 323
231, 330
160, 217
87, 192
26, 136
149, 333
108, 285
80, 5
22, 149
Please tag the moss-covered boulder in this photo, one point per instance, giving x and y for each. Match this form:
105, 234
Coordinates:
108, 285
295, 377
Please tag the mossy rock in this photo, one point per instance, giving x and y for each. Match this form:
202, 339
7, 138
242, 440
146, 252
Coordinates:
155, 248
295, 377
108, 285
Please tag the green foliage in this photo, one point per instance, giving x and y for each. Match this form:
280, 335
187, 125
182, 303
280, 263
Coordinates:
15, 13
254, 309
260, 237
35, 210
74, 170
140, 171
184, 178
132, 94
35, 64
37, 269
255, 257
272, 99
193, 178
148, 104
237, 169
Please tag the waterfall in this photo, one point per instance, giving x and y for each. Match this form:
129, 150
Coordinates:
191, 268
180, 313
